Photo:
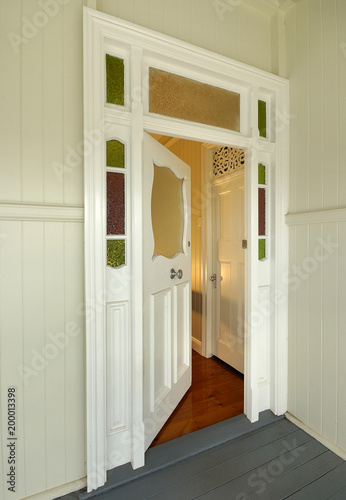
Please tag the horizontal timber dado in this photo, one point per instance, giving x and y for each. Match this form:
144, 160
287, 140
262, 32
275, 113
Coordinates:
316, 217
41, 212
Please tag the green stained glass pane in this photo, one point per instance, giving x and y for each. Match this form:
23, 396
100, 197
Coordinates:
261, 174
115, 154
261, 249
115, 80
115, 253
262, 118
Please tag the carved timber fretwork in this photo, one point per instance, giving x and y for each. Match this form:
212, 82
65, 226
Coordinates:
227, 159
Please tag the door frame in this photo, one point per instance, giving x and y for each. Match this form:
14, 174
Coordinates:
140, 47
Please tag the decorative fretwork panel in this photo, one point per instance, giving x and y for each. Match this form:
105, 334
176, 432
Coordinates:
227, 160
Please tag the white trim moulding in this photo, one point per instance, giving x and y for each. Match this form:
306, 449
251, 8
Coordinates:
316, 217
37, 212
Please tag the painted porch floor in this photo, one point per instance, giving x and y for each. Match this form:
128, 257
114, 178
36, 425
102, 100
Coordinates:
271, 459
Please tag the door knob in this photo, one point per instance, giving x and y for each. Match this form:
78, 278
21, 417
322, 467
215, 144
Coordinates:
178, 274
213, 279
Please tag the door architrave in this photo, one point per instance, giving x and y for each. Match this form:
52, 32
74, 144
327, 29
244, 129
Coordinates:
140, 48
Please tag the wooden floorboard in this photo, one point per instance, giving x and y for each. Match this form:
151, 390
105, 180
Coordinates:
275, 461
170, 481
216, 394
331, 485
205, 454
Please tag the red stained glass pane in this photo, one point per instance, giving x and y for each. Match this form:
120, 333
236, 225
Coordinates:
261, 212
115, 203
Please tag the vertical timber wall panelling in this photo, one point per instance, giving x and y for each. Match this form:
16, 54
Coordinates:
240, 32
41, 262
316, 64
190, 153
41, 105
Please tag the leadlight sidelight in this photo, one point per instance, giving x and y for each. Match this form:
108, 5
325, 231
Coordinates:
115, 153
187, 99
262, 118
115, 253
115, 80
167, 212
261, 249
115, 203
262, 211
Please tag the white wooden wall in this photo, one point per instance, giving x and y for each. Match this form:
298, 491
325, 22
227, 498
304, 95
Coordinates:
242, 33
41, 243
41, 216
316, 66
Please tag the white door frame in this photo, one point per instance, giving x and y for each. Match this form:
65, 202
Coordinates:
140, 48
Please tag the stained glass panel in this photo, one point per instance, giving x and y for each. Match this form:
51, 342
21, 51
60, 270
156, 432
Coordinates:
115, 253
115, 80
187, 99
261, 211
115, 203
261, 174
262, 118
167, 212
115, 152
261, 249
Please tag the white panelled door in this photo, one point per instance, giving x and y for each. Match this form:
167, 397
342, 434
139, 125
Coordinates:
229, 264
166, 283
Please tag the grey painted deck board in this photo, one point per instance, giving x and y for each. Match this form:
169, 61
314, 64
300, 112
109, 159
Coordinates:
339, 495
175, 451
273, 460
281, 487
332, 483
159, 482
234, 472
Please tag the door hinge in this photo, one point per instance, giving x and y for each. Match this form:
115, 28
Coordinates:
244, 243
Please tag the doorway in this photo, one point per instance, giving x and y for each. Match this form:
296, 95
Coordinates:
118, 110
217, 190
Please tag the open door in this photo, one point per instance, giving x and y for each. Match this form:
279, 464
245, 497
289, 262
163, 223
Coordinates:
166, 284
229, 269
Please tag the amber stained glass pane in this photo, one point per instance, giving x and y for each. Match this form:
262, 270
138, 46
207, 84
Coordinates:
115, 203
261, 249
262, 118
167, 212
115, 80
261, 211
261, 174
115, 154
187, 99
115, 253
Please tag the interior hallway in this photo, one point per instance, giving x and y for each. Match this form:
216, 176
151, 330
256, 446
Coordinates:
216, 393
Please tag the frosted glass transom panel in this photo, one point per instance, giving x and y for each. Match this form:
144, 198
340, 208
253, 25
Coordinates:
187, 99
115, 203
167, 212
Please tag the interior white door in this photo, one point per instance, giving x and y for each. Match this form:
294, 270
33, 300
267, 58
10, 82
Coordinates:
229, 263
167, 303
